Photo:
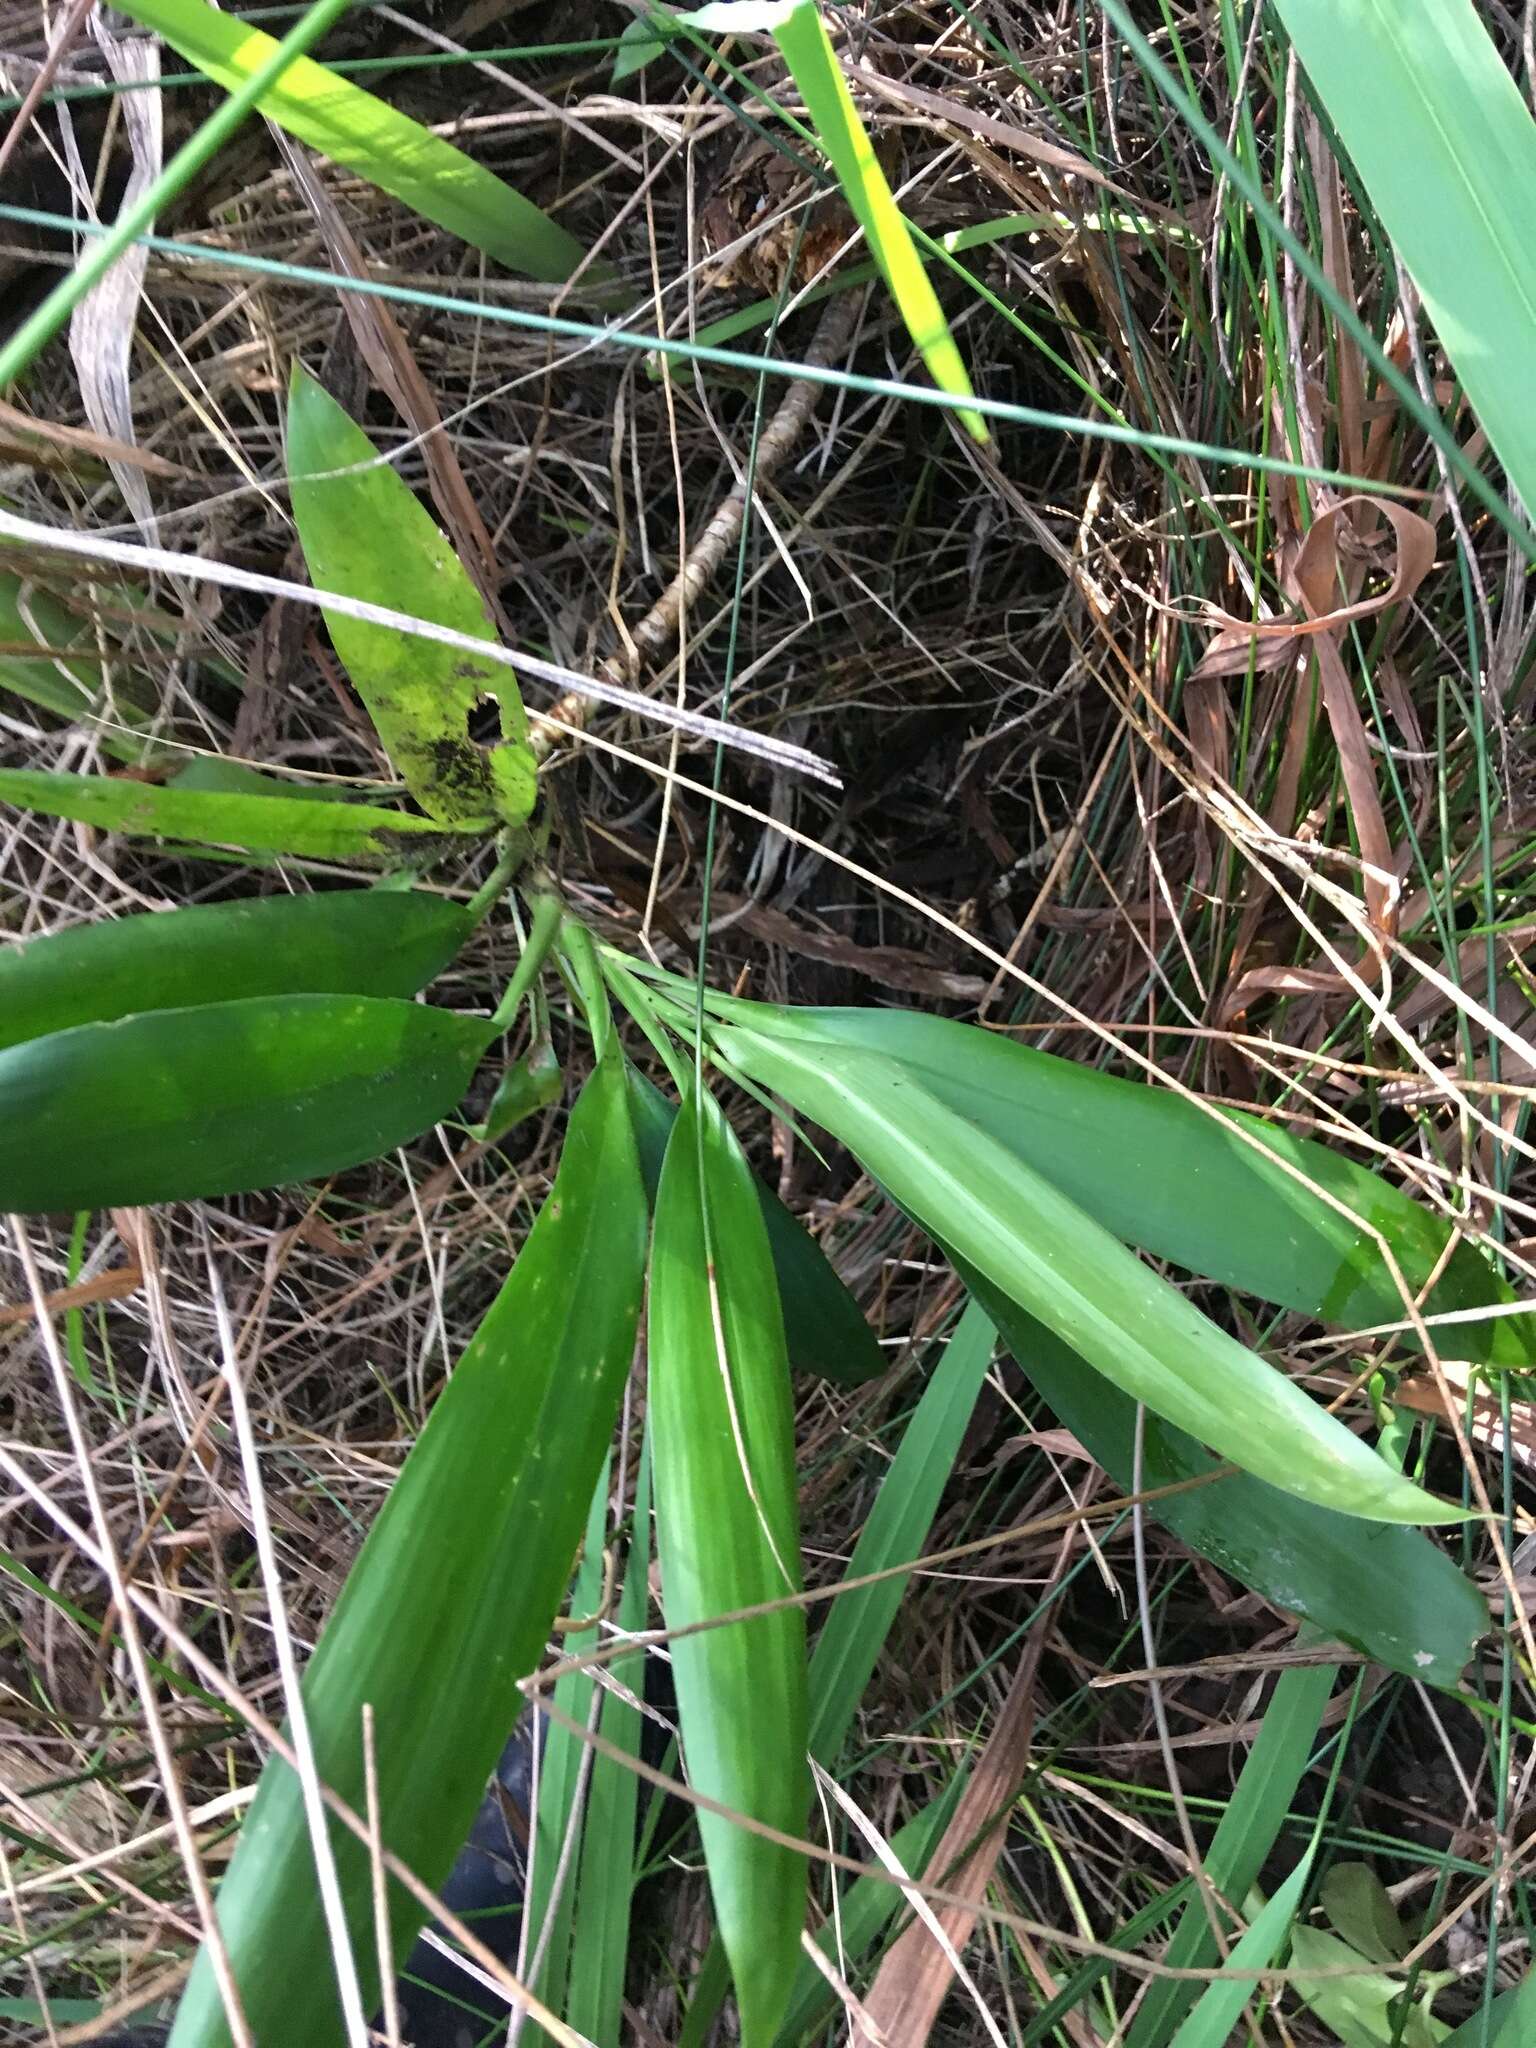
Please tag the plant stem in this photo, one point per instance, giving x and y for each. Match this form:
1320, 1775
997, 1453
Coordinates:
547, 912
39, 329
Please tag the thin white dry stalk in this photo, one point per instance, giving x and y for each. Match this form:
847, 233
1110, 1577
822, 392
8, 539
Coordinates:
193, 569
354, 2017
125, 1597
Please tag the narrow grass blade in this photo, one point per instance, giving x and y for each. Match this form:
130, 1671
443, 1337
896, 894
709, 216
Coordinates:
1385, 1590
728, 1537
259, 824
1245, 1835
557, 1817
605, 1885
366, 536
1045, 1254
171, 1105
857, 1623
1446, 148
824, 1328
368, 136
1221, 2004
453, 1596
865, 1911
353, 942
798, 30
1244, 1214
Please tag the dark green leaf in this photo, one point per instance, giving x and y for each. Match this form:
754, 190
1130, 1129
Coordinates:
176, 1104
260, 824
1359, 1907
728, 1537
1387, 1592
452, 1598
854, 1632
823, 1328
367, 536
356, 942
1185, 1184
1041, 1251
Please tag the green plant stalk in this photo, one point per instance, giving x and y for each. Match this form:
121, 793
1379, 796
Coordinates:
35, 332
542, 932
640, 341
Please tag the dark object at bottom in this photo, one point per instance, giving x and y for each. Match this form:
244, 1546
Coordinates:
441, 2006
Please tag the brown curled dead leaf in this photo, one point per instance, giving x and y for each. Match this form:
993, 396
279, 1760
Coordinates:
1314, 579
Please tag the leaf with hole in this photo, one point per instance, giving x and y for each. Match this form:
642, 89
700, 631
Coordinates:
172, 1105
367, 536
728, 1537
259, 824
354, 942
824, 1329
367, 135
452, 1598
1043, 1253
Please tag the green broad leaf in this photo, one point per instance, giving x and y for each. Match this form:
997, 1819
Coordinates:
1220, 2005
728, 1537
823, 1328
356, 942
1359, 1908
1274, 1217
1245, 1835
1507, 2021
1362, 2009
66, 675
1039, 1250
1385, 1590
367, 135
258, 824
813, 64
367, 536
1445, 145
172, 1105
452, 1599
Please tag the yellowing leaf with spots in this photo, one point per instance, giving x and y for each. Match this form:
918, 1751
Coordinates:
366, 535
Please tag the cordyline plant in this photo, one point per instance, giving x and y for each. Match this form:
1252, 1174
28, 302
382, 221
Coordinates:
281, 1039
249, 1044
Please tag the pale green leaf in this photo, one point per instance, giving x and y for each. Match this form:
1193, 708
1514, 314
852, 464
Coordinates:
366, 535
369, 136
1361, 2008
727, 1538
1221, 2004
303, 826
